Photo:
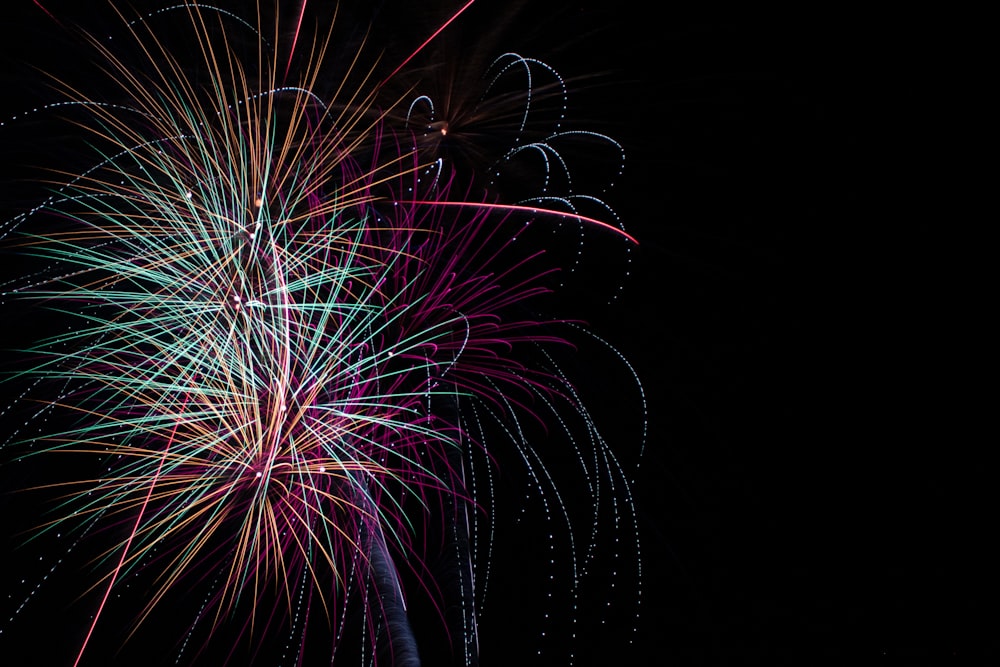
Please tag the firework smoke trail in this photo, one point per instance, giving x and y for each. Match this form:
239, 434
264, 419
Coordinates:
298, 339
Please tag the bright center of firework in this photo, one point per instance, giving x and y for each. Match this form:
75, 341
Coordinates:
274, 479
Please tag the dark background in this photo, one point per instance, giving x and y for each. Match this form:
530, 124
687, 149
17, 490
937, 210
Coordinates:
812, 488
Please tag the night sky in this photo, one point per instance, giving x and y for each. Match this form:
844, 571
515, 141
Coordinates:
810, 488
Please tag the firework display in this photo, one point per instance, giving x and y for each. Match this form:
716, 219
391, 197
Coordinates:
302, 342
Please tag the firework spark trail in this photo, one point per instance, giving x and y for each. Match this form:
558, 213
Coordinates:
47, 12
125, 551
427, 41
287, 315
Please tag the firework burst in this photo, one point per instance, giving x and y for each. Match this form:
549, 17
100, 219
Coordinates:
304, 344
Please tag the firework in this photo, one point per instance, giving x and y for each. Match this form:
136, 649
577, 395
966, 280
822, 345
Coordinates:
305, 342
